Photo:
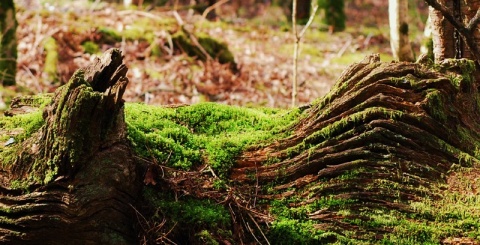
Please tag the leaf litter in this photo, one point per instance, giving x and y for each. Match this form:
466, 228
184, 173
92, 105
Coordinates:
160, 74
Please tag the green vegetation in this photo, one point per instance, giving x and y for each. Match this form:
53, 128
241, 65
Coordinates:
90, 47
186, 137
21, 126
334, 13
197, 219
8, 42
51, 59
17, 129
216, 50
454, 214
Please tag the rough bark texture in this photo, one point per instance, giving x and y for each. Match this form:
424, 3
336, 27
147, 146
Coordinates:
442, 34
8, 42
78, 170
447, 44
468, 10
399, 126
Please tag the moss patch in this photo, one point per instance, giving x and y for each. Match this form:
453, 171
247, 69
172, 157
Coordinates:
90, 47
216, 49
186, 137
51, 58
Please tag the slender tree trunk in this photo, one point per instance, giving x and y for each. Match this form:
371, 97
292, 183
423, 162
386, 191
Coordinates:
398, 15
8, 42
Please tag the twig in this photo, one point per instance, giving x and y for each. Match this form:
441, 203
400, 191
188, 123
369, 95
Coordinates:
344, 48
474, 21
258, 226
310, 20
205, 13
250, 230
296, 46
191, 36
141, 13
295, 53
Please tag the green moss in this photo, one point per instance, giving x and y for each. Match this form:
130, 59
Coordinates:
23, 124
460, 72
90, 47
188, 212
206, 238
51, 59
109, 35
290, 231
210, 133
435, 104
216, 49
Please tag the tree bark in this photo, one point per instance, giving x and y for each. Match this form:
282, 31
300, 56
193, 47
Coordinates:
8, 43
447, 42
77, 171
396, 123
400, 43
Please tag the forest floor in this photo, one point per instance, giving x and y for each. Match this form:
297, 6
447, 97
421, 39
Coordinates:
260, 39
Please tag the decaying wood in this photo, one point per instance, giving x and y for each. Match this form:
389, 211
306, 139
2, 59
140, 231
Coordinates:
78, 168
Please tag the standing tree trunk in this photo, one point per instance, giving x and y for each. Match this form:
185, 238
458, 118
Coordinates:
448, 41
334, 14
398, 15
8, 42
442, 34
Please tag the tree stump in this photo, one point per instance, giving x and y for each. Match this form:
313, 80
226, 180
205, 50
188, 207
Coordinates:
78, 174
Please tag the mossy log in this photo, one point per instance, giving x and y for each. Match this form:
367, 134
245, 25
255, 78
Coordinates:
352, 167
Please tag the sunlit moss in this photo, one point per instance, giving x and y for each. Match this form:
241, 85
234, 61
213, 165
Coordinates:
90, 47
216, 49
51, 59
211, 133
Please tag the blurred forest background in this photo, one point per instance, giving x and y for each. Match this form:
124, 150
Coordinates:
249, 46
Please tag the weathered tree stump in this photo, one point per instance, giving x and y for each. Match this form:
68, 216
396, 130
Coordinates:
385, 136
78, 172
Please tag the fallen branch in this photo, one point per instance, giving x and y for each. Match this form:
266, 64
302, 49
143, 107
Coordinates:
191, 36
205, 13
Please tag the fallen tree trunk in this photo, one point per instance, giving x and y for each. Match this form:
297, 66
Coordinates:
353, 166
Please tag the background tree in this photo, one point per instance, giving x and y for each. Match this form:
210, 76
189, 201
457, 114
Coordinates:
455, 32
400, 43
8, 42
334, 14
455, 29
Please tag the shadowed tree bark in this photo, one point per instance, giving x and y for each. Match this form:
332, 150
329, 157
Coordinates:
77, 170
399, 126
8, 43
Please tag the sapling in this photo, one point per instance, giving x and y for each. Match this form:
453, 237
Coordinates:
298, 38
